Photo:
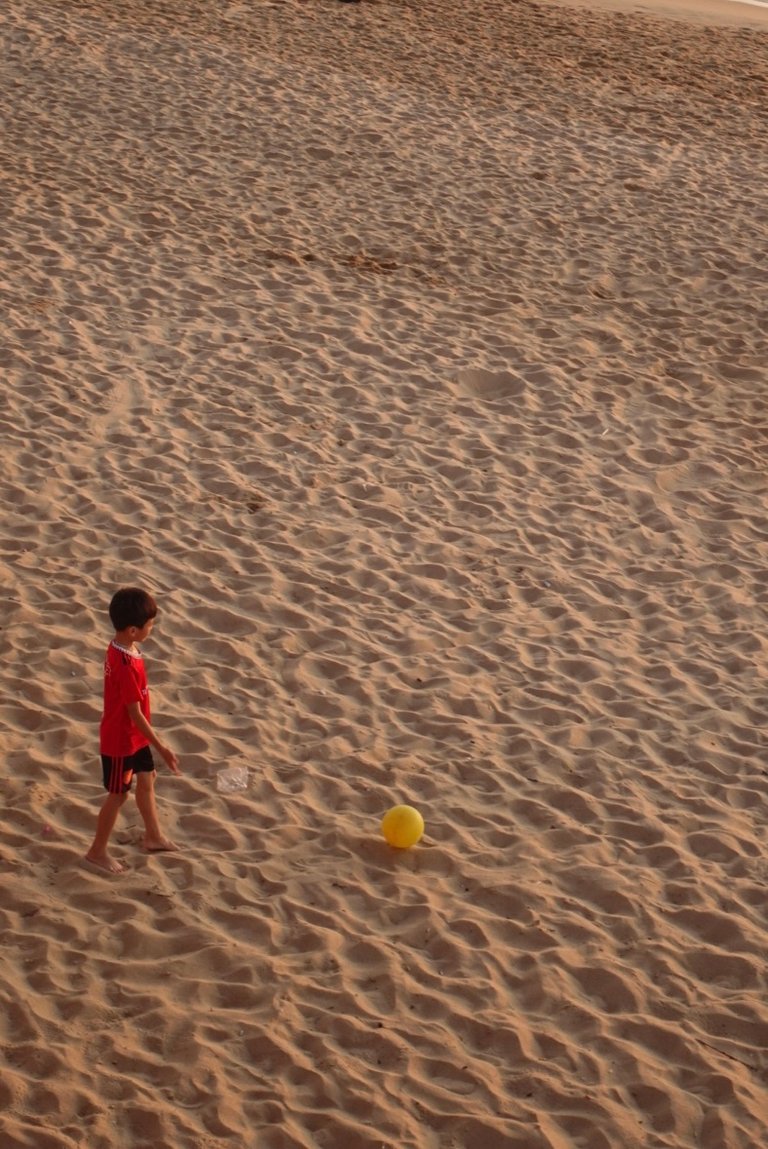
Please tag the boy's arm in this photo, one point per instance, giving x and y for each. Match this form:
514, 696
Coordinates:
138, 720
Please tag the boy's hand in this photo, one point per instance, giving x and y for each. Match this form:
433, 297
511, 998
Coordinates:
169, 758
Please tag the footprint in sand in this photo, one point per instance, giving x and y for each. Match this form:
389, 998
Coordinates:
490, 385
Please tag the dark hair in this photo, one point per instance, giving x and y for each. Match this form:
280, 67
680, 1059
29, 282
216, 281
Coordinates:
131, 607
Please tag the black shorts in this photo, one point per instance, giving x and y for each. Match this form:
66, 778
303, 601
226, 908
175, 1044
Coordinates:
119, 772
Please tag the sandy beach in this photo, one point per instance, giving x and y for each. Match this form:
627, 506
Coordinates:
413, 355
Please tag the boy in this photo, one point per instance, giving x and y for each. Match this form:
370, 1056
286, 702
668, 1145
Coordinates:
125, 734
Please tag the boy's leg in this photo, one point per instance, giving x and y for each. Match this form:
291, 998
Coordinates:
98, 854
154, 838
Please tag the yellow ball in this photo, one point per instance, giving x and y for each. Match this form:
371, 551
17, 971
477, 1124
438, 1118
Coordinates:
402, 826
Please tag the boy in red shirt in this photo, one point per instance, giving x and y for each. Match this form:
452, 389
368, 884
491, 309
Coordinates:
125, 735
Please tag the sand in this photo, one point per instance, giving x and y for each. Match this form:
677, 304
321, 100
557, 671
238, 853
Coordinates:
414, 356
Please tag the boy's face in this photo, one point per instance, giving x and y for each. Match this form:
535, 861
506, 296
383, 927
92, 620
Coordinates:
144, 632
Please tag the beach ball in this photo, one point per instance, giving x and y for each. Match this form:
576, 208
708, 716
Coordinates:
402, 826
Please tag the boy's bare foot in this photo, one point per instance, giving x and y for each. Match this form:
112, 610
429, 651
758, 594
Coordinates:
158, 845
105, 862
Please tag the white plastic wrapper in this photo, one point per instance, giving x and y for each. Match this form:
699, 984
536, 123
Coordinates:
232, 779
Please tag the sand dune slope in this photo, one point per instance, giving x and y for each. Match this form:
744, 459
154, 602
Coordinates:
414, 356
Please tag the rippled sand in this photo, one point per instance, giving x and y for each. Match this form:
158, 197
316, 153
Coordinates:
414, 356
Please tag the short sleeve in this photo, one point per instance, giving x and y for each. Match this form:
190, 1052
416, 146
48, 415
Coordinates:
129, 684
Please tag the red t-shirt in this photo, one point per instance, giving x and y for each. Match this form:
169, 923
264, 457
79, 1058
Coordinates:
125, 681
